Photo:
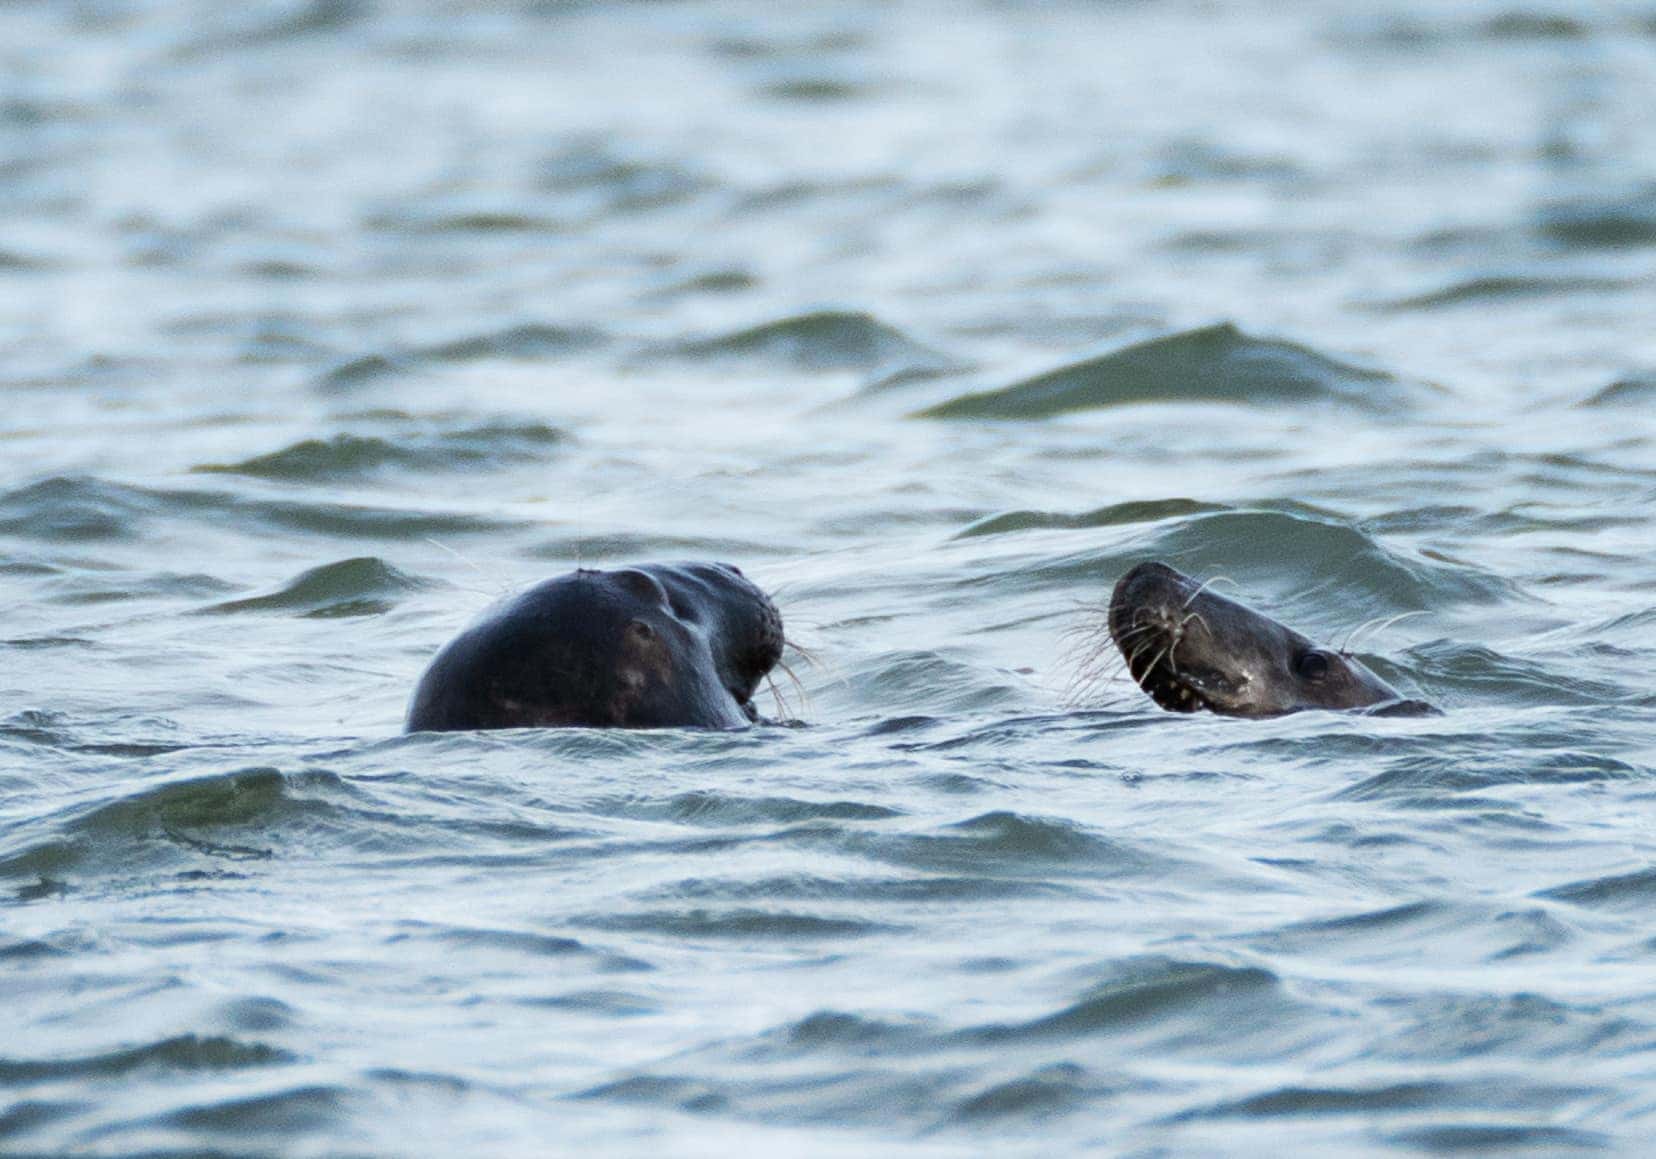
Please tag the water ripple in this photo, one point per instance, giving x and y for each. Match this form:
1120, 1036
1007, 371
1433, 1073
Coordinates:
1215, 364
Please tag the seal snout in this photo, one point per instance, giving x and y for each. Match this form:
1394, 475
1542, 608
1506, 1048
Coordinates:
1151, 584
761, 650
1148, 621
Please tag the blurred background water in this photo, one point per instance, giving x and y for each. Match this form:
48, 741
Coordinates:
324, 324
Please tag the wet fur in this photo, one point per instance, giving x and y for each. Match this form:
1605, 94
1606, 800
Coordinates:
655, 646
1191, 649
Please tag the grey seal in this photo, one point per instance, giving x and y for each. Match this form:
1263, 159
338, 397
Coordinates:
1192, 649
682, 645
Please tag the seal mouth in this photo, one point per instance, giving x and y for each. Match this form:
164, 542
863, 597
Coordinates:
1152, 660
1152, 630
1149, 641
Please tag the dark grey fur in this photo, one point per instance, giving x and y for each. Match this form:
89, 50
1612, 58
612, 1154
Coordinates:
1191, 649
655, 646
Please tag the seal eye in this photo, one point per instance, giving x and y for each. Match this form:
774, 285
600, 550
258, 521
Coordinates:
1312, 665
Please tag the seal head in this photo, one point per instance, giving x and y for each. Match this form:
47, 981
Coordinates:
655, 646
1191, 649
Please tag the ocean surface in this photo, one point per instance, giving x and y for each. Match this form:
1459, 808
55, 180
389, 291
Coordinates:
325, 324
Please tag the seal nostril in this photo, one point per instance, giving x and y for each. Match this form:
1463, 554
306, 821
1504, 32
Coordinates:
684, 610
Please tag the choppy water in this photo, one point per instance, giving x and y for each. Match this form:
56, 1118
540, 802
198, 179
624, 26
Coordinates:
323, 324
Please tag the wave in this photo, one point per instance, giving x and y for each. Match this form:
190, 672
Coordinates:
1601, 222
931, 682
1392, 1098
706, 807
1113, 515
74, 509
348, 456
1627, 891
1003, 843
1151, 990
1343, 558
284, 1114
833, 1031
106, 734
755, 926
1452, 1027
829, 340
1477, 671
351, 587
1213, 364
880, 889
481, 215
1399, 934
184, 1052
229, 816
522, 342
245, 30
858, 1069
1314, 559
477, 941
77, 509
1487, 288
593, 175
1486, 1138
1635, 390
1516, 25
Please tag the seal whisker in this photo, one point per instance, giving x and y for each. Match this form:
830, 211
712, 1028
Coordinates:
1098, 671
1087, 683
1088, 633
1150, 633
502, 584
1204, 586
1142, 635
1132, 657
1351, 637
1091, 651
804, 653
1344, 648
1151, 667
785, 712
1097, 661
1132, 660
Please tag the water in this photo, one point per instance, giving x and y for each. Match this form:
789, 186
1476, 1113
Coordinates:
324, 324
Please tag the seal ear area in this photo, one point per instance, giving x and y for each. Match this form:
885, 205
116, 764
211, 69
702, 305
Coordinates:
639, 634
645, 648
1334, 680
643, 676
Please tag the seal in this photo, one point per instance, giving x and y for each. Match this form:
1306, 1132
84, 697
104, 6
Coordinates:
655, 646
1191, 649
